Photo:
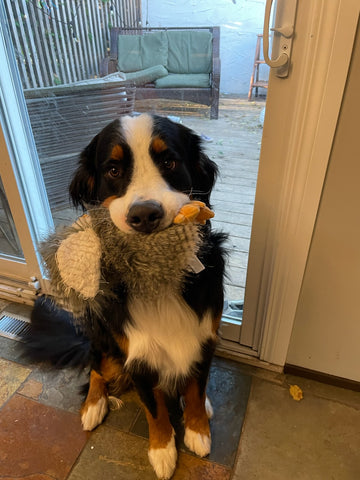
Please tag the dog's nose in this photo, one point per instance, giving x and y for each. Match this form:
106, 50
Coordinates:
145, 217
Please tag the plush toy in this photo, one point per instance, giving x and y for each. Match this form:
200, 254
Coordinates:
83, 259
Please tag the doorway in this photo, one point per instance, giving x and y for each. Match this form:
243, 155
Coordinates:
54, 32
277, 184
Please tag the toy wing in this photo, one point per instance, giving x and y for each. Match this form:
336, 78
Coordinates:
78, 260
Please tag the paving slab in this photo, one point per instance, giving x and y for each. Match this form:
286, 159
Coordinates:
113, 455
37, 441
311, 439
12, 375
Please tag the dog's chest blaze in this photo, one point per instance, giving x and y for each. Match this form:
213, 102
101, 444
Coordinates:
167, 336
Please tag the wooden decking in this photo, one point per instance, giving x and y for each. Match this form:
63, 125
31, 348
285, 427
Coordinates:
235, 147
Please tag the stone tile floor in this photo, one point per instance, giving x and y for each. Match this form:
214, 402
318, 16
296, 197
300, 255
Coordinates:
258, 430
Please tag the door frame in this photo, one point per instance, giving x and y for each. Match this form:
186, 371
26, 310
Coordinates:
299, 128
21, 174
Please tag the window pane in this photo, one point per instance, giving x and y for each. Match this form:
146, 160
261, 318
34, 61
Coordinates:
9, 241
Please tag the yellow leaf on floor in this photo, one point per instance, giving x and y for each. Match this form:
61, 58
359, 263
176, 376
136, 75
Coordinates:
296, 392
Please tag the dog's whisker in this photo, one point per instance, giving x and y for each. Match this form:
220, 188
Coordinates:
196, 192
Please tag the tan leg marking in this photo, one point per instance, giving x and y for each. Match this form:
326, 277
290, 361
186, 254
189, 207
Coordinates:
123, 343
110, 369
96, 405
162, 449
113, 374
160, 429
197, 430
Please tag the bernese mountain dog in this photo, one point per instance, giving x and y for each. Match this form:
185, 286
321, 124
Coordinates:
143, 169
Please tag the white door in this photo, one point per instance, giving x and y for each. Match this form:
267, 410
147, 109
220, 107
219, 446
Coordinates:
301, 115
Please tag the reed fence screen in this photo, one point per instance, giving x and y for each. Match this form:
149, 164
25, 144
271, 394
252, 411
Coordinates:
62, 41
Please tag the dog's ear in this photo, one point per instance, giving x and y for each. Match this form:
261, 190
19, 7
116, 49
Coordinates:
203, 170
83, 185
205, 174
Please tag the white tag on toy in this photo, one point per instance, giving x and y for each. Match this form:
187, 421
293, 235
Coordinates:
195, 265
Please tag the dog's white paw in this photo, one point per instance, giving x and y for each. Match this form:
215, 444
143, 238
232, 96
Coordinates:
208, 407
197, 442
163, 460
93, 414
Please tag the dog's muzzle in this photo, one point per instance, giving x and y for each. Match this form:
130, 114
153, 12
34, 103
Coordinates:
145, 217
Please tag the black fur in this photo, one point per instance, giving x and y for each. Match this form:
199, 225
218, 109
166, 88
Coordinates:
54, 338
195, 173
91, 184
204, 290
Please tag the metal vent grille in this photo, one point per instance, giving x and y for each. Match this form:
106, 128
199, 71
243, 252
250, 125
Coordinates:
14, 328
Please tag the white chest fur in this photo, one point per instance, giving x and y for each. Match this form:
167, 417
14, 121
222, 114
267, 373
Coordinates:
167, 335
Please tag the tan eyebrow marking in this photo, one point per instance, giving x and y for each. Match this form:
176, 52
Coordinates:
117, 153
158, 145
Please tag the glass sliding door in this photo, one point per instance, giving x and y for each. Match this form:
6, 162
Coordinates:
9, 239
24, 210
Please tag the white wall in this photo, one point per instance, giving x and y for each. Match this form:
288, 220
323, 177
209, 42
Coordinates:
326, 330
240, 22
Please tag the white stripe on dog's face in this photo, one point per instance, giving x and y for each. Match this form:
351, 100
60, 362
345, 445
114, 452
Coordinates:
147, 182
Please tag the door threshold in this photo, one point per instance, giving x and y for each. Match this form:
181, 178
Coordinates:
239, 353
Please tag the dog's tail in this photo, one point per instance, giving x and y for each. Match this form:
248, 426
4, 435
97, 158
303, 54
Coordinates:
54, 338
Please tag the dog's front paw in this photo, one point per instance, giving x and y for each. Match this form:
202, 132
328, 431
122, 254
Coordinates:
92, 414
163, 460
199, 443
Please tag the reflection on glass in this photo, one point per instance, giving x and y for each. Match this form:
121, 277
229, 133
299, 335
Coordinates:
9, 241
58, 47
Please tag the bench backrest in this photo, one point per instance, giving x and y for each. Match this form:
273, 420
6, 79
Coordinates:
179, 50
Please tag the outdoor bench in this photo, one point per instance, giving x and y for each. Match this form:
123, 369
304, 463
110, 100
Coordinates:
172, 63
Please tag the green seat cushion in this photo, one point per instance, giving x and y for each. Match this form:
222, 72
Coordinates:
138, 52
147, 75
189, 51
185, 80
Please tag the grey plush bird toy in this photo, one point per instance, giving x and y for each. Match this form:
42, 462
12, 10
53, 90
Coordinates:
77, 256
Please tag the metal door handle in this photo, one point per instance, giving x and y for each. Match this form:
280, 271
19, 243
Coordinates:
286, 15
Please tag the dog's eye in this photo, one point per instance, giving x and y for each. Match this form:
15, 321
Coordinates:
114, 172
169, 164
